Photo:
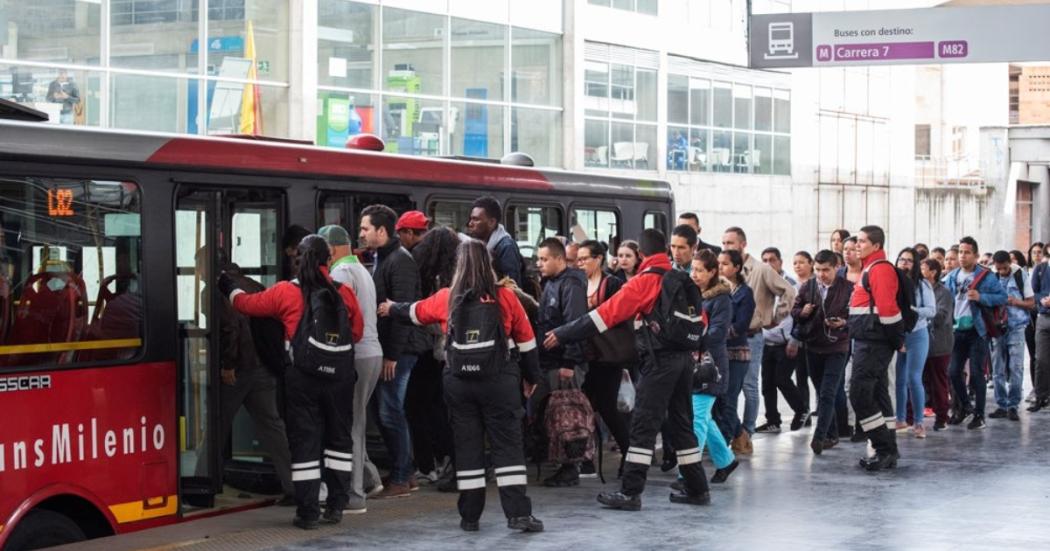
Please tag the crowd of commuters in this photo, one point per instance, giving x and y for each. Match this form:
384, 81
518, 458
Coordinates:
467, 355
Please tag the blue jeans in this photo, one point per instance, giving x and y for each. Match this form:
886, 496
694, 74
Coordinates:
707, 431
1008, 353
910, 365
751, 390
827, 371
728, 413
969, 345
388, 407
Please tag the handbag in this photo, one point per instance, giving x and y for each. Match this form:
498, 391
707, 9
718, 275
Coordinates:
808, 330
615, 346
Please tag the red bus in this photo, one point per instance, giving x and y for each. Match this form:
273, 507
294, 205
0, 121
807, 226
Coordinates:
108, 370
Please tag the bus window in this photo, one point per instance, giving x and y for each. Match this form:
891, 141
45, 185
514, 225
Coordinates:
655, 220
70, 259
593, 223
531, 225
454, 214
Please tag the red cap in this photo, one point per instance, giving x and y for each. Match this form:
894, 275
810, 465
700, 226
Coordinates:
412, 220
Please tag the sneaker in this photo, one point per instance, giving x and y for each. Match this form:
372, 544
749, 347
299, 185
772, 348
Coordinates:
1012, 414
939, 425
830, 443
305, 524
565, 476
525, 524
427, 478
332, 516
469, 525
394, 489
901, 425
741, 445
691, 499
413, 486
721, 475
920, 431
374, 490
587, 470
977, 423
999, 413
799, 421
769, 428
356, 506
957, 418
619, 500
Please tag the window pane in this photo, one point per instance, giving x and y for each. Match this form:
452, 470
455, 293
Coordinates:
341, 115
70, 269
721, 158
453, 214
623, 4
762, 154
596, 88
647, 6
599, 2
478, 55
621, 92
699, 100
413, 126
536, 65
345, 43
782, 155
55, 31
742, 107
742, 156
723, 105
531, 225
646, 95
67, 96
163, 104
596, 143
677, 148
622, 152
413, 51
154, 35
677, 99
922, 141
538, 133
478, 129
269, 31
269, 118
763, 109
698, 154
645, 146
598, 224
781, 111
655, 220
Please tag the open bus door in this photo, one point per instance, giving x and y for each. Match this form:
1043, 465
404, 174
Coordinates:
213, 229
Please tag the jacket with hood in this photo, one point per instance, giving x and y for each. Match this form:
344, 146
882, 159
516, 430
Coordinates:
718, 305
506, 258
564, 299
834, 305
992, 294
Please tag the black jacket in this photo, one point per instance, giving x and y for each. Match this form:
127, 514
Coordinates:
564, 299
701, 245
397, 278
836, 305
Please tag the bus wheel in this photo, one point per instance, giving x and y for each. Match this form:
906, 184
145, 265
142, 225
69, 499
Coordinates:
42, 528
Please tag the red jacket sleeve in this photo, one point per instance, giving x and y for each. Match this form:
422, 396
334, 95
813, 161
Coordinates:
884, 284
637, 296
278, 302
515, 321
433, 309
353, 310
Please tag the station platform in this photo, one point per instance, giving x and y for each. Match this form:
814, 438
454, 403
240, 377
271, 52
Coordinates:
956, 490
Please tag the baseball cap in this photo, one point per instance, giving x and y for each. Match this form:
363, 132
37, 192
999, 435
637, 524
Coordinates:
335, 235
412, 220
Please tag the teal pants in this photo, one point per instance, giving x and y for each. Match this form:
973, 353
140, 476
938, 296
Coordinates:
707, 431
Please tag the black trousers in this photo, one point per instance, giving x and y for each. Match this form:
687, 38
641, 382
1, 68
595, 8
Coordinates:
870, 395
426, 413
320, 416
777, 370
489, 408
802, 375
665, 392
828, 369
602, 387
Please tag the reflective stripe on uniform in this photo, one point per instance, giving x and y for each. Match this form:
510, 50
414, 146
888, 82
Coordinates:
338, 464
306, 465
309, 474
871, 423
639, 455
598, 321
514, 469
412, 314
338, 455
527, 345
862, 310
688, 457
511, 476
469, 474
470, 483
473, 345
890, 320
329, 348
891, 423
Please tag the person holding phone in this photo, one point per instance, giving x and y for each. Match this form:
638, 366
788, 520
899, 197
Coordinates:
820, 313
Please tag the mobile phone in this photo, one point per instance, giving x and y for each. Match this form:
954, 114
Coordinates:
835, 320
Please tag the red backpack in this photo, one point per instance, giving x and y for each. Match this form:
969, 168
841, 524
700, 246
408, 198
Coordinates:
570, 427
997, 318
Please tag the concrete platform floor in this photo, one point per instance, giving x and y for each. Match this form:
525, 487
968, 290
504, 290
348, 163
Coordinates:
956, 490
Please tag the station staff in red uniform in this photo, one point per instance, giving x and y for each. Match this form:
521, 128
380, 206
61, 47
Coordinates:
489, 406
877, 329
665, 389
319, 412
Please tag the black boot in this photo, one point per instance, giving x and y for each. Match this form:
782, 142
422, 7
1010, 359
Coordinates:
1039, 405
703, 498
567, 475
721, 475
618, 500
332, 515
525, 524
880, 461
817, 445
469, 525
300, 522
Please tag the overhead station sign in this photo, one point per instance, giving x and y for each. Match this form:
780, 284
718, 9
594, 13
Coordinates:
980, 34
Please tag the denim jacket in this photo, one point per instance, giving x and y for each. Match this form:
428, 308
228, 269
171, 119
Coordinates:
1019, 317
992, 294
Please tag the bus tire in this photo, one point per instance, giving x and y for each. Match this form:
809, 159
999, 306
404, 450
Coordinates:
42, 528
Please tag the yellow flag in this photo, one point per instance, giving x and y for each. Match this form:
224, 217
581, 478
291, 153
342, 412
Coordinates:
251, 116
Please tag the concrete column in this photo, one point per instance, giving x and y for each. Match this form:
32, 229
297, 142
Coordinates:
302, 73
572, 86
1040, 174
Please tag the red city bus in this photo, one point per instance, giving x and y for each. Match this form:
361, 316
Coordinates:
108, 370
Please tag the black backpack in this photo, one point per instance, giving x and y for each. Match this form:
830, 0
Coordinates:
476, 346
905, 296
323, 343
677, 318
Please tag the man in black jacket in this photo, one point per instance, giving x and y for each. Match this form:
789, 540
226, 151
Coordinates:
397, 278
564, 299
485, 226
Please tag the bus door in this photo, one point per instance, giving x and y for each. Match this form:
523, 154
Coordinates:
215, 229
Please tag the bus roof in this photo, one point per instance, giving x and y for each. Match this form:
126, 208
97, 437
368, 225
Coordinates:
35, 140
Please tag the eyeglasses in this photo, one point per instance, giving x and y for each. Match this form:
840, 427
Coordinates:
582, 259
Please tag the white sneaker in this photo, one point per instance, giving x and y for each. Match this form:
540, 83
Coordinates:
376, 490
427, 478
